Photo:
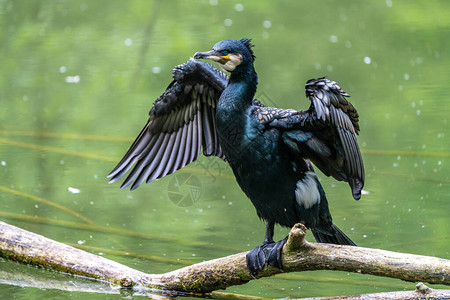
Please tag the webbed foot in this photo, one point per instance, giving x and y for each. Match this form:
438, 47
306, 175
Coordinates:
266, 253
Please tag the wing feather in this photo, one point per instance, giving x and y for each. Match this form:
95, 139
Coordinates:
173, 156
209, 138
142, 163
164, 162
329, 103
150, 168
325, 133
180, 154
170, 153
187, 150
216, 135
181, 122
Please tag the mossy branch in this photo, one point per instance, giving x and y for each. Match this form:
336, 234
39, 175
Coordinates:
298, 255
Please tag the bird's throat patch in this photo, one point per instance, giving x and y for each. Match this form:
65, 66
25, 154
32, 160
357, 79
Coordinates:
231, 61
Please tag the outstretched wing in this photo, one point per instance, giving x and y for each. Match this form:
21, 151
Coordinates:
182, 120
331, 105
325, 133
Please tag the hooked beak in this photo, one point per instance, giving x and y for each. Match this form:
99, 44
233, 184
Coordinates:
212, 55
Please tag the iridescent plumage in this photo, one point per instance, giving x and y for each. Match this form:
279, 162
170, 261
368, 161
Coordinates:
270, 150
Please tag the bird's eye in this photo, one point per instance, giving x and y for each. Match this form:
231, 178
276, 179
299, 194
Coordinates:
225, 52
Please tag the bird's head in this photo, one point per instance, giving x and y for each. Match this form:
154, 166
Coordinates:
230, 54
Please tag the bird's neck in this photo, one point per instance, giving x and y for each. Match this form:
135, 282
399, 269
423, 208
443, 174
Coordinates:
232, 112
240, 90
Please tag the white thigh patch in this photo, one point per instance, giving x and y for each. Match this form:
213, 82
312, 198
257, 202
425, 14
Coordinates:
307, 191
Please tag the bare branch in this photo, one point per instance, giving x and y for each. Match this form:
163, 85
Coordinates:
421, 292
298, 255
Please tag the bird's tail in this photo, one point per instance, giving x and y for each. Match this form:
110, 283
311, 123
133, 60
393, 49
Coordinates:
335, 237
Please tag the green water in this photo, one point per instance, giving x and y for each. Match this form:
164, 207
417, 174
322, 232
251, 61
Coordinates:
77, 79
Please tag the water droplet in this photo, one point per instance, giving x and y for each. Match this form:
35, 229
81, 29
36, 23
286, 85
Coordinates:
367, 60
389, 3
73, 79
267, 24
333, 38
62, 69
348, 44
128, 42
73, 190
156, 70
80, 242
230, 203
3, 163
213, 2
227, 22
406, 76
239, 7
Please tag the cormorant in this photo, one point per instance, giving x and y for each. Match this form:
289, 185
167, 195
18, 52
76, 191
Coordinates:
269, 149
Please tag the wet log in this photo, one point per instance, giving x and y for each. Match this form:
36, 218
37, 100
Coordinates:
298, 255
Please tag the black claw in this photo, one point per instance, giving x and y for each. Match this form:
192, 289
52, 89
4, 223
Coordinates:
266, 253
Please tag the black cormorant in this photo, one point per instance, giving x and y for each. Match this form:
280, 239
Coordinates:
269, 149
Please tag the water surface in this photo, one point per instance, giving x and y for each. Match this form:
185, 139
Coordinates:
78, 79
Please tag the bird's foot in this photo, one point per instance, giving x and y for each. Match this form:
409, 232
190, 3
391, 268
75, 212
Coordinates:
266, 253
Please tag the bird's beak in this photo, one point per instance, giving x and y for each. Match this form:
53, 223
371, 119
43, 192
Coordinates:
203, 55
212, 55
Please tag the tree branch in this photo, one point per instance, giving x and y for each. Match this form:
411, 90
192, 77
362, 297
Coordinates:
298, 255
421, 292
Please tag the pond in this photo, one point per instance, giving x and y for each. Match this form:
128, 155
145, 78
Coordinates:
79, 77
